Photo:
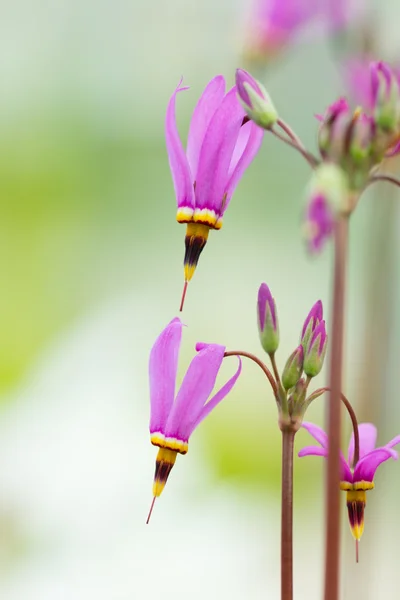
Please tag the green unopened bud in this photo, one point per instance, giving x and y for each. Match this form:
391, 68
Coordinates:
297, 397
268, 326
255, 100
316, 350
293, 368
385, 96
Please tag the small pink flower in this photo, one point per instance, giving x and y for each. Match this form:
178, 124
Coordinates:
357, 479
173, 418
219, 150
319, 222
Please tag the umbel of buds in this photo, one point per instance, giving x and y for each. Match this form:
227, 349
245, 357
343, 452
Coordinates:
255, 100
268, 325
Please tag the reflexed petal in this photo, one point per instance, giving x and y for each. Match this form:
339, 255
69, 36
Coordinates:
196, 387
393, 442
247, 146
216, 153
318, 451
317, 433
163, 365
366, 467
182, 178
220, 395
208, 103
313, 451
367, 433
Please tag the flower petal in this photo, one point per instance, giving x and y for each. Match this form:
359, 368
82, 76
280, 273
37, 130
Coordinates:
313, 451
368, 434
182, 178
216, 153
196, 387
247, 145
205, 109
317, 433
318, 451
163, 365
393, 442
366, 467
220, 395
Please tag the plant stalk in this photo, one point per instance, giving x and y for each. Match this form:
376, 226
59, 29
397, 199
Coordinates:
332, 494
287, 515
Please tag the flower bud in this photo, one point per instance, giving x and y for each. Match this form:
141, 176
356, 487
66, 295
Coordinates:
268, 326
386, 96
316, 350
297, 397
332, 130
255, 100
313, 319
293, 368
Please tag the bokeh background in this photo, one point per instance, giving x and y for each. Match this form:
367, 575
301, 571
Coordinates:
91, 271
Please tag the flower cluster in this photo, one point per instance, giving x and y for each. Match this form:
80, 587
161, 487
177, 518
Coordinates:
352, 145
308, 358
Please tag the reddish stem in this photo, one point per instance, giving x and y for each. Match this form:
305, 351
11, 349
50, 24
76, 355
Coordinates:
260, 363
287, 516
332, 494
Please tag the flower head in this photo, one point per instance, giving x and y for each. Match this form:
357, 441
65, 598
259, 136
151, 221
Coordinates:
255, 100
219, 149
173, 419
273, 24
356, 479
267, 317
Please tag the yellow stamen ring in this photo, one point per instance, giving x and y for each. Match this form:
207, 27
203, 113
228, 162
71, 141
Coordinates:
358, 486
169, 443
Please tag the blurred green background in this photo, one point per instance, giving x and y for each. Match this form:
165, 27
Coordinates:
91, 265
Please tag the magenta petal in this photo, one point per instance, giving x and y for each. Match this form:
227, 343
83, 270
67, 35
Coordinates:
366, 467
216, 153
317, 433
313, 451
393, 442
205, 109
220, 395
196, 387
182, 178
247, 145
163, 365
368, 434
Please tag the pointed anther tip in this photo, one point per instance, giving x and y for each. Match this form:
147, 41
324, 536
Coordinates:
151, 510
183, 295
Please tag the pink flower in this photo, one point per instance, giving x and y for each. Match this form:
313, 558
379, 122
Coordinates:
274, 23
319, 222
357, 479
219, 150
174, 418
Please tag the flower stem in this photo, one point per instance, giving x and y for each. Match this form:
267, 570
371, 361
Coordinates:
287, 515
332, 541
312, 161
260, 363
352, 416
